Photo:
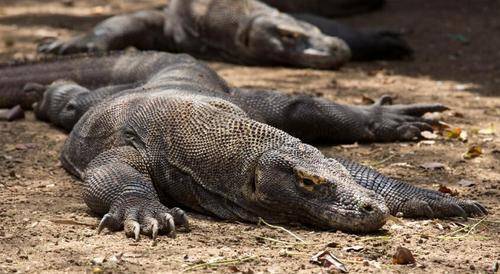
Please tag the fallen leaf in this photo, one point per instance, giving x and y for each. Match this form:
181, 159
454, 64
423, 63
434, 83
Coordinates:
355, 145
428, 135
326, 259
473, 152
25, 146
405, 165
353, 248
490, 130
452, 133
447, 190
463, 136
403, 256
465, 183
433, 165
426, 142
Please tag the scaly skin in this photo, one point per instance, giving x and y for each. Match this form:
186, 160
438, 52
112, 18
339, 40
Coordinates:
248, 32
181, 137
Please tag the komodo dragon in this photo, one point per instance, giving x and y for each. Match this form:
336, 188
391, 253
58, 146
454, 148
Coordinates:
239, 31
163, 130
327, 8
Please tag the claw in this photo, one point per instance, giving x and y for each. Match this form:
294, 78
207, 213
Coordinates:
484, 211
137, 231
185, 223
170, 226
106, 220
154, 229
383, 100
132, 229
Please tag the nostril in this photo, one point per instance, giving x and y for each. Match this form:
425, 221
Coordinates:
367, 208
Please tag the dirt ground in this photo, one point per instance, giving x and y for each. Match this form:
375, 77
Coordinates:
45, 226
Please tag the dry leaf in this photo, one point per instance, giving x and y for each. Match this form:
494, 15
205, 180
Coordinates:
405, 165
428, 135
487, 131
355, 145
465, 183
473, 152
353, 248
452, 133
433, 165
463, 136
447, 190
403, 256
326, 259
426, 142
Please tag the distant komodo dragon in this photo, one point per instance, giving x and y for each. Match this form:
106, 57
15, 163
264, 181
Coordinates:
151, 132
239, 31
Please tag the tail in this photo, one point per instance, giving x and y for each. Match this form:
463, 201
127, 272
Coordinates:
89, 70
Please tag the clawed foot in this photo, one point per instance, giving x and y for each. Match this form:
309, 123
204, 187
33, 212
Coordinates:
142, 216
387, 123
433, 204
75, 45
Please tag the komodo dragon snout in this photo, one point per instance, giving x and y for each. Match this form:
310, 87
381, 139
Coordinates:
288, 41
304, 186
57, 103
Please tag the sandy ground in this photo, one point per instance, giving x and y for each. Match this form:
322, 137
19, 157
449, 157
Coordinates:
45, 227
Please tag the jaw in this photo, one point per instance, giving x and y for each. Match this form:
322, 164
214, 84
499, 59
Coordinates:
348, 220
324, 53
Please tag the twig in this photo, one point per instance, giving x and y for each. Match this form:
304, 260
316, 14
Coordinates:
486, 221
468, 228
220, 262
384, 238
71, 222
382, 161
281, 228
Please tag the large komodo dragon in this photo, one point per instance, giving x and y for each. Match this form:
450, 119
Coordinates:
240, 31
160, 130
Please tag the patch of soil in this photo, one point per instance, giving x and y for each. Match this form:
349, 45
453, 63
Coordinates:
46, 227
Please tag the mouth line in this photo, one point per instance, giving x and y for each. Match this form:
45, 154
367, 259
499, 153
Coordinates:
379, 216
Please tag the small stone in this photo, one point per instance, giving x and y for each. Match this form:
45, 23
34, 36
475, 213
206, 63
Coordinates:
465, 183
403, 256
97, 260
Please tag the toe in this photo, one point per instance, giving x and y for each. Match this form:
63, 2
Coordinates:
150, 227
108, 221
180, 217
132, 228
408, 132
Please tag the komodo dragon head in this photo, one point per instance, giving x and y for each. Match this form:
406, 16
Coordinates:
299, 184
57, 104
285, 40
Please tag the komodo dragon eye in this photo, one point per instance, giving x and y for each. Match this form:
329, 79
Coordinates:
309, 181
289, 33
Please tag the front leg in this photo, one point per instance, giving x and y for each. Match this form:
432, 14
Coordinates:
118, 186
409, 200
318, 120
143, 30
